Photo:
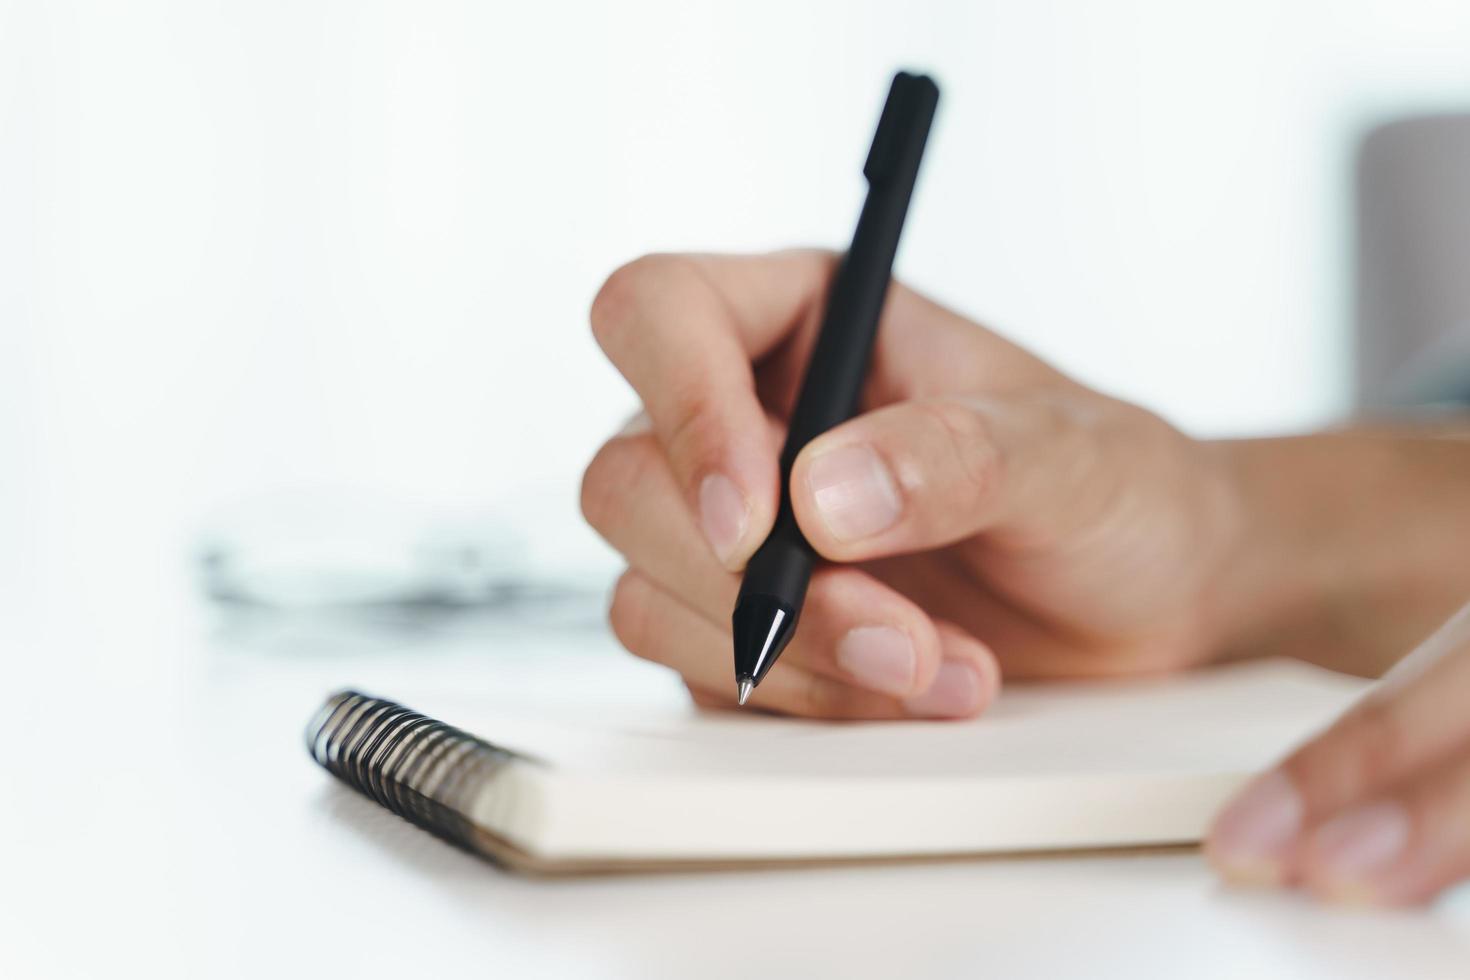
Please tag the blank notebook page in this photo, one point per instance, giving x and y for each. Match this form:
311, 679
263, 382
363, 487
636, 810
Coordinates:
1080, 764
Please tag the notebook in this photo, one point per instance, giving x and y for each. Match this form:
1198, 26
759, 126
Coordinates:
1076, 765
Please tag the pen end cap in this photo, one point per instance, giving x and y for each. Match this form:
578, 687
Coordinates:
903, 126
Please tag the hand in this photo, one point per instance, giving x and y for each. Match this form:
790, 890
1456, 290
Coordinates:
983, 509
1376, 809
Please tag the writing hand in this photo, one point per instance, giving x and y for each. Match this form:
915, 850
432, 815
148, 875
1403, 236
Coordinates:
984, 509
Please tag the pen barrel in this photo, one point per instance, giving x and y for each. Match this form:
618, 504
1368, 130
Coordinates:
836, 372
833, 385
782, 566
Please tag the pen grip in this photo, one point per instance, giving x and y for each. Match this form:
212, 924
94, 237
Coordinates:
782, 565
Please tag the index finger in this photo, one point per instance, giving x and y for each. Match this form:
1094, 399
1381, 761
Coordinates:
684, 331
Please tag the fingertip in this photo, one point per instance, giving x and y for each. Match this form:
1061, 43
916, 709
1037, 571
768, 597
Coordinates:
736, 494
626, 606
960, 644
845, 495
931, 649
724, 517
990, 677
886, 659
734, 522
878, 639
965, 682
1345, 858
1253, 839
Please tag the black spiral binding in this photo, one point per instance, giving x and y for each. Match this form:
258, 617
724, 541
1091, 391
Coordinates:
423, 770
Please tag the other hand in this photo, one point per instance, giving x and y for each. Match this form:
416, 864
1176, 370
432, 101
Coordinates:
1376, 809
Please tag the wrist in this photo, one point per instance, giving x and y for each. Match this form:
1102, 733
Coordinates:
1347, 547
1266, 575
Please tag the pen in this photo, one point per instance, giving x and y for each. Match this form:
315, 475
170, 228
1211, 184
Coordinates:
776, 578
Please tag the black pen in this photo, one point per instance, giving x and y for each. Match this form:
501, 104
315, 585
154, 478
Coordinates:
774, 587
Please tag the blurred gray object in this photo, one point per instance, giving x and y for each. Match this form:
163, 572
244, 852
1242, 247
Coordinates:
323, 549
330, 567
1413, 262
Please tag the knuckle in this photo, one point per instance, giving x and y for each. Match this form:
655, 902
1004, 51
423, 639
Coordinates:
617, 467
611, 306
615, 307
694, 441
596, 487
965, 436
627, 613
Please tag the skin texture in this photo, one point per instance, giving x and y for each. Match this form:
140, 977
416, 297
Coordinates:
986, 516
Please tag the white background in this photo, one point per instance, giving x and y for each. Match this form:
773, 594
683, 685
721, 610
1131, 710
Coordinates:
267, 244
247, 246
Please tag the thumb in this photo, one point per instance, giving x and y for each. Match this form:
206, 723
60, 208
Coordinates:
927, 473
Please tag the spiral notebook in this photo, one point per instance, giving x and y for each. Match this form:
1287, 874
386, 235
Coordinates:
1082, 765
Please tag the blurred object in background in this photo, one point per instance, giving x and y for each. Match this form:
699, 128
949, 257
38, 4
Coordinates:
339, 569
1413, 318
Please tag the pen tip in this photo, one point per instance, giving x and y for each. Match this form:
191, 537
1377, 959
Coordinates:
744, 687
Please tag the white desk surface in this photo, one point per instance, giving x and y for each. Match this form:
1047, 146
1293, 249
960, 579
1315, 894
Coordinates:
162, 818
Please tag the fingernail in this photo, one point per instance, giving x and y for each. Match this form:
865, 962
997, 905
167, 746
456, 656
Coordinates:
1251, 837
879, 657
854, 492
955, 693
722, 514
1348, 849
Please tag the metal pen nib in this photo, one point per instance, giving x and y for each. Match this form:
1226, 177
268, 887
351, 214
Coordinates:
744, 687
